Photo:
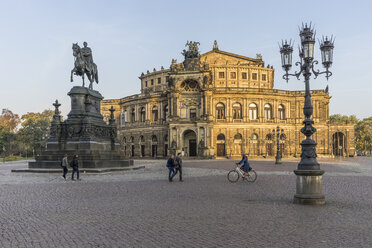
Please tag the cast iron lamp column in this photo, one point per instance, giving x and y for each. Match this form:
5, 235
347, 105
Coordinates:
309, 174
278, 157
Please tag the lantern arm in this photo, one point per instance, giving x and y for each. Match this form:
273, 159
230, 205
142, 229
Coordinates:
317, 73
296, 74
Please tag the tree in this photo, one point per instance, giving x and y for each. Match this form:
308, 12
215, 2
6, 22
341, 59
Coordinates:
343, 119
35, 130
363, 135
8, 125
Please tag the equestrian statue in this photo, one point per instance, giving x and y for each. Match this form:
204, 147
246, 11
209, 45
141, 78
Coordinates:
84, 64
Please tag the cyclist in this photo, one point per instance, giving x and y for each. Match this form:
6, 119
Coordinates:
246, 165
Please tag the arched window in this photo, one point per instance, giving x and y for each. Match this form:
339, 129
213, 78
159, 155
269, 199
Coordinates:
154, 138
269, 137
281, 111
221, 149
253, 111
254, 137
142, 139
166, 138
237, 137
124, 145
220, 137
190, 85
155, 113
268, 112
131, 140
125, 115
143, 114
237, 111
220, 109
122, 119
165, 111
133, 115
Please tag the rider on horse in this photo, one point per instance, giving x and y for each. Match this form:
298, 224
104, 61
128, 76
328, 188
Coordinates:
87, 56
84, 64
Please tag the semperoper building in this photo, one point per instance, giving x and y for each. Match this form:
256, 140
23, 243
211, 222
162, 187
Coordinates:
220, 104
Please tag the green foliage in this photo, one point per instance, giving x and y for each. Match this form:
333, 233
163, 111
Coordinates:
363, 135
9, 121
8, 126
343, 119
35, 130
363, 130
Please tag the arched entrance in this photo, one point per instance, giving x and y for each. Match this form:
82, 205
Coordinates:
269, 145
142, 146
282, 148
221, 145
254, 145
154, 150
338, 144
166, 145
189, 143
238, 148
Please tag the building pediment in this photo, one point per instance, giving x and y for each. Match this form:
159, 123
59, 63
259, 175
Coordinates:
219, 57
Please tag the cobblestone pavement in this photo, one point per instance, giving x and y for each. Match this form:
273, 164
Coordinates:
141, 209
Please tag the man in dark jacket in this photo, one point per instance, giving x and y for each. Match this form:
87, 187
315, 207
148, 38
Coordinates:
178, 165
170, 166
75, 167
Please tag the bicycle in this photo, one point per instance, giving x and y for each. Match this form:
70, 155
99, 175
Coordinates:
234, 175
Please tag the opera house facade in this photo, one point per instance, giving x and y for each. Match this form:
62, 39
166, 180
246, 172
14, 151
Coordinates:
220, 104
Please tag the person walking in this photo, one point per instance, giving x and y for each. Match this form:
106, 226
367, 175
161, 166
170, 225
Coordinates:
75, 167
170, 166
64, 166
178, 166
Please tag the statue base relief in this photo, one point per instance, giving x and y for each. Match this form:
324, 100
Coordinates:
84, 133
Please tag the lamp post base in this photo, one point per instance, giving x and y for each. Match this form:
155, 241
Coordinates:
278, 160
309, 187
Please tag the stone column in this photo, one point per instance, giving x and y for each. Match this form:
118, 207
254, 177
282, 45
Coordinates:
170, 105
204, 113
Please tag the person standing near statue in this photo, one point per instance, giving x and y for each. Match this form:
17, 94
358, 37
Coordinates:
64, 166
178, 166
75, 167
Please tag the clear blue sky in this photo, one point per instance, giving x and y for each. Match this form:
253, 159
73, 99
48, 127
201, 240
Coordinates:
130, 37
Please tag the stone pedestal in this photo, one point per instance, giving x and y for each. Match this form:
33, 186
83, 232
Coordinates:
83, 133
309, 187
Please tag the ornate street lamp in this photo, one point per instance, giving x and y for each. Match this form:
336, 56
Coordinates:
309, 174
278, 157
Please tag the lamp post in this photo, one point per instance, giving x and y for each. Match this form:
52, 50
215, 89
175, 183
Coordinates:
278, 157
309, 174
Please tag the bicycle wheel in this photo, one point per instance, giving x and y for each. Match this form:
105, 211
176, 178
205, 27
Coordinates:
251, 176
233, 176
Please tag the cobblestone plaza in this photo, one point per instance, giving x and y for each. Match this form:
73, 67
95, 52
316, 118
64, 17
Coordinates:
142, 209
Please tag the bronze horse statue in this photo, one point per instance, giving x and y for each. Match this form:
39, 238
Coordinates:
81, 67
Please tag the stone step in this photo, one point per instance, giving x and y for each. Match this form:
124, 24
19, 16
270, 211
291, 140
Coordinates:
88, 163
82, 170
